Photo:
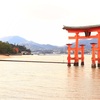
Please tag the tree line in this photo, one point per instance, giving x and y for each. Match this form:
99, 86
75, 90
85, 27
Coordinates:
6, 48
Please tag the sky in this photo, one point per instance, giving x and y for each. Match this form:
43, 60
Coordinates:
42, 21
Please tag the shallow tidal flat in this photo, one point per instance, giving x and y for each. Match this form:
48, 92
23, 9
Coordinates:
48, 81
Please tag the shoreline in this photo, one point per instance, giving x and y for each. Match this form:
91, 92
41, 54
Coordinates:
4, 56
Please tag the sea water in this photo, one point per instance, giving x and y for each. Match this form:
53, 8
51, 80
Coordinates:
48, 81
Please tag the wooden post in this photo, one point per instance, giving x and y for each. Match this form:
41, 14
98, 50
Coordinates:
93, 55
82, 54
98, 49
69, 56
76, 63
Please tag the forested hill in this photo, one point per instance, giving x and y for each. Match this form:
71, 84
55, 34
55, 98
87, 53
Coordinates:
6, 48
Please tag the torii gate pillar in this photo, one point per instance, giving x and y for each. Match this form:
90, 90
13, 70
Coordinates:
76, 63
98, 48
82, 54
93, 65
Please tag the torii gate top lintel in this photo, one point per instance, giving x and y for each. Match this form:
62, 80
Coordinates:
89, 28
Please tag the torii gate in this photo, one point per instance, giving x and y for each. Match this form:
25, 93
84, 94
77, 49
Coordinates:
87, 34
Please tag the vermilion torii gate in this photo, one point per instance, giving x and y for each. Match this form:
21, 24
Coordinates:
86, 30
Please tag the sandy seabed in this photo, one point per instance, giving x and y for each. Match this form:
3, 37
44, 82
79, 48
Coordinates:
61, 57
4, 56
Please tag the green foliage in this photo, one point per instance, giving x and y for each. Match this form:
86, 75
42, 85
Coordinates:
21, 48
6, 48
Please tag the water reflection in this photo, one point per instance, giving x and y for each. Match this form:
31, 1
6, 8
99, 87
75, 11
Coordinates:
84, 83
95, 73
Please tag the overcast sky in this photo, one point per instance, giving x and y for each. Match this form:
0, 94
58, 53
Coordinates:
42, 20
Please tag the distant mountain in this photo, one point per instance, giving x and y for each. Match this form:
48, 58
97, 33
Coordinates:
36, 47
86, 42
33, 46
13, 39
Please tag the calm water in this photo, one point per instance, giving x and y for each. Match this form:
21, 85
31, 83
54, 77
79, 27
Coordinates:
44, 81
